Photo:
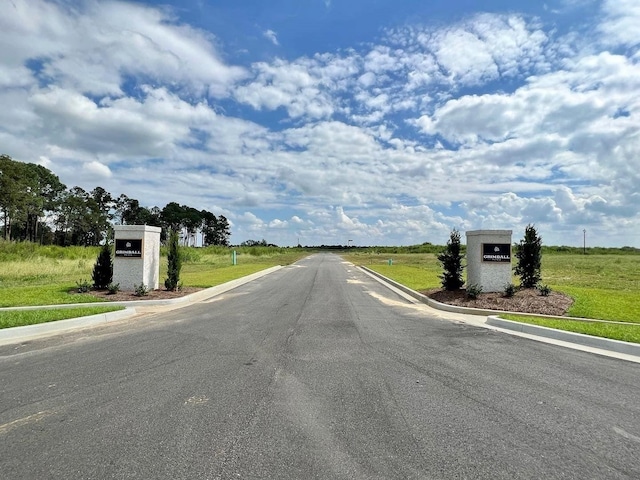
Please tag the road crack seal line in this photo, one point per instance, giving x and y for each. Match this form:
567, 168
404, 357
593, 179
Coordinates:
625, 434
7, 427
196, 400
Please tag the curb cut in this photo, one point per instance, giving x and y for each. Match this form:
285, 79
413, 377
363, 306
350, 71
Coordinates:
30, 332
617, 346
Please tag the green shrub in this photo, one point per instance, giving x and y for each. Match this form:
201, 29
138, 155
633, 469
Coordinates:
529, 255
451, 261
103, 269
113, 288
83, 286
509, 290
473, 291
544, 290
140, 290
174, 263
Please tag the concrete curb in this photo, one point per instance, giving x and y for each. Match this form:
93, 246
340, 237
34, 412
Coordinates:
202, 294
617, 346
30, 332
432, 303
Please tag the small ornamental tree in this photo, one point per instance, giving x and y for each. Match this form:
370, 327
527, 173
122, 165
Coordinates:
529, 258
451, 261
174, 261
103, 269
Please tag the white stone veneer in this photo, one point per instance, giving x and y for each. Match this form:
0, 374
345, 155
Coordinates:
129, 272
491, 276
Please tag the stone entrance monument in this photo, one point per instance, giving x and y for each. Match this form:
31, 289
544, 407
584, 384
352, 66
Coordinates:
137, 256
489, 259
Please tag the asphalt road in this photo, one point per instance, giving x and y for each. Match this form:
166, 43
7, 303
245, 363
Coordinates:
315, 371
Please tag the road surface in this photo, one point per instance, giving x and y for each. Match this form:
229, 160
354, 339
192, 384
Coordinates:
315, 371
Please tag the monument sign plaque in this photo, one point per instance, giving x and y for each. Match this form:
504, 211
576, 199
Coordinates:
129, 248
496, 252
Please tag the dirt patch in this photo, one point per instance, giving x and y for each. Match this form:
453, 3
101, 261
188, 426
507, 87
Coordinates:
526, 300
126, 296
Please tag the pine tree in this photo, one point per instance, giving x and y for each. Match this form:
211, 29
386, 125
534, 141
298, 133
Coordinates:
174, 261
103, 269
529, 255
451, 261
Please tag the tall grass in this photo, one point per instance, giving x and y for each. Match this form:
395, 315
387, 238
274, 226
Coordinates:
22, 251
43, 275
40, 270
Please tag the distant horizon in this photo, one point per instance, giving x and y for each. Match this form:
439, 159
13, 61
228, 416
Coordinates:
378, 122
346, 247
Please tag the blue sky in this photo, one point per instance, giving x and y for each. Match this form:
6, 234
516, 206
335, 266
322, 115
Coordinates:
323, 121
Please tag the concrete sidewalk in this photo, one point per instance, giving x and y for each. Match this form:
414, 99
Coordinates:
31, 332
489, 319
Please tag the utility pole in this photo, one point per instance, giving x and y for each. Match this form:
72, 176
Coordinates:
584, 241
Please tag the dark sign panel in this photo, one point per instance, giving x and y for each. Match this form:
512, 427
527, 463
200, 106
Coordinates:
129, 248
496, 252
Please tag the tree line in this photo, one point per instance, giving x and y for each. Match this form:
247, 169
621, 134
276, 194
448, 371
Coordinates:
36, 206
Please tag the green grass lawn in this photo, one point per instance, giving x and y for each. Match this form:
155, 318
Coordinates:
31, 317
204, 276
41, 293
34, 275
605, 287
416, 271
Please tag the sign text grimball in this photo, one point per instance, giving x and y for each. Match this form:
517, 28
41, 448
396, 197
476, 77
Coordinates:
496, 252
131, 248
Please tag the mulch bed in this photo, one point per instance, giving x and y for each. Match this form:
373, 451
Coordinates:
526, 300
